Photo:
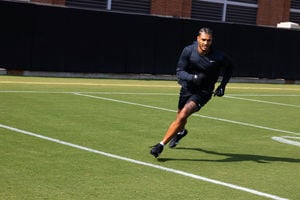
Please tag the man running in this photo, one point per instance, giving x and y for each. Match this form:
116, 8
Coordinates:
198, 70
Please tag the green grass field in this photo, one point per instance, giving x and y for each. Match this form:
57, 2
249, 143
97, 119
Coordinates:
67, 138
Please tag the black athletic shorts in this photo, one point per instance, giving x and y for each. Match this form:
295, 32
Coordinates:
200, 97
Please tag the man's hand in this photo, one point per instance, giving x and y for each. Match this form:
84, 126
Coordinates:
198, 78
220, 91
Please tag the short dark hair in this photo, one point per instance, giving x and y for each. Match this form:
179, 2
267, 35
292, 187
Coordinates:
206, 30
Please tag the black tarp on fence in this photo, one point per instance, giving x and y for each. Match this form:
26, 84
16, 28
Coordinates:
48, 38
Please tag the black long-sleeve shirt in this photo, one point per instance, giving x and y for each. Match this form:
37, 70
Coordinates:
213, 64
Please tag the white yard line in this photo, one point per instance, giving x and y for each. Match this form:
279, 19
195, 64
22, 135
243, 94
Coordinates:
265, 95
287, 140
112, 93
282, 139
175, 171
144, 93
88, 84
139, 85
203, 116
261, 101
159, 108
263, 88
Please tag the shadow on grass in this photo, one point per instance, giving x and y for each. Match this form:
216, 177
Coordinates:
231, 157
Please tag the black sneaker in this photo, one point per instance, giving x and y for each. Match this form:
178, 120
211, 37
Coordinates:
175, 140
156, 150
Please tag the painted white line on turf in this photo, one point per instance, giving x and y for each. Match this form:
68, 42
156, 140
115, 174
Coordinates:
142, 93
138, 85
261, 101
203, 116
263, 88
111, 93
265, 95
135, 93
286, 140
34, 92
88, 84
255, 192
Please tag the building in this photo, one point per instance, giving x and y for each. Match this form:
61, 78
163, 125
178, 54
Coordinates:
252, 12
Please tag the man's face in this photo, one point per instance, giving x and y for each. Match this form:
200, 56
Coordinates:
204, 42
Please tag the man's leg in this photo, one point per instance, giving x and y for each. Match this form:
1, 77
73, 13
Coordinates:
180, 121
176, 126
177, 137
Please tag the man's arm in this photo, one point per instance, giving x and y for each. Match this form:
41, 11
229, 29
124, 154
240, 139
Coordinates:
183, 64
228, 69
182, 68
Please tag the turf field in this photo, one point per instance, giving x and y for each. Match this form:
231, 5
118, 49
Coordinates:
65, 138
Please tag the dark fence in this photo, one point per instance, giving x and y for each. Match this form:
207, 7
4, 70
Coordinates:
47, 38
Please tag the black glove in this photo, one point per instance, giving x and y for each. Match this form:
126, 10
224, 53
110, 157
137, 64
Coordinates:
198, 78
220, 91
